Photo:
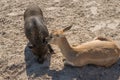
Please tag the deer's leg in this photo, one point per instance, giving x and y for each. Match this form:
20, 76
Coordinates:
68, 63
50, 49
102, 39
74, 45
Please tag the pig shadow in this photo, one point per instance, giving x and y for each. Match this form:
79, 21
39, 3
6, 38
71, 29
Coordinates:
89, 72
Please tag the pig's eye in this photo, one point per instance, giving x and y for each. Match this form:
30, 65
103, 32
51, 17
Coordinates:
44, 41
31, 46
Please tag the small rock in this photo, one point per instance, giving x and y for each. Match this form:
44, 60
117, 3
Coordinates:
56, 0
51, 8
15, 14
93, 10
2, 33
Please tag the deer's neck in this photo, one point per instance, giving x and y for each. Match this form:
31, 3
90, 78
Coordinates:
65, 48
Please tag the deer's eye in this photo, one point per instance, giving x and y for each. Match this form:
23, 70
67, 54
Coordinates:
57, 35
51, 36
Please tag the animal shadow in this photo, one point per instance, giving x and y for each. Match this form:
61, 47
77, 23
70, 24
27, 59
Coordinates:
89, 72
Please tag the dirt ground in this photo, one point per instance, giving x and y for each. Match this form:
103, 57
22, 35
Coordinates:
90, 18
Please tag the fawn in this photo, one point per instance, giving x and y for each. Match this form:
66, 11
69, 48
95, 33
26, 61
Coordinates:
101, 51
36, 32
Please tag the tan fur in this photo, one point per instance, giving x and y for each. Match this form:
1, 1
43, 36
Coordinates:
101, 51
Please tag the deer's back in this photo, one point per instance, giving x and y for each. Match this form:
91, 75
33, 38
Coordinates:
98, 49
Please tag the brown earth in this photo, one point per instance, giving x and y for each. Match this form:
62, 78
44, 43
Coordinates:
90, 18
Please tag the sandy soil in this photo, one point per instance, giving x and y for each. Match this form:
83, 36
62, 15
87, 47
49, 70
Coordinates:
90, 18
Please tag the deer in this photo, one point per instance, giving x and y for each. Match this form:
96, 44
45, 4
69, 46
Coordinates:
100, 51
36, 31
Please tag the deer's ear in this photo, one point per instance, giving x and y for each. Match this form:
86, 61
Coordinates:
67, 28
